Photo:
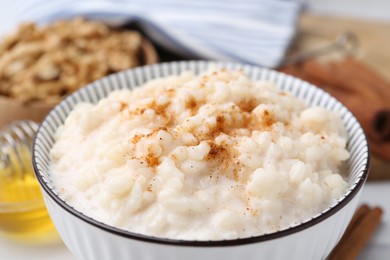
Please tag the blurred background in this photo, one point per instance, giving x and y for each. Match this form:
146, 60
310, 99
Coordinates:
340, 46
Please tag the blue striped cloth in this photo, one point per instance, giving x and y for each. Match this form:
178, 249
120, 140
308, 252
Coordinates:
250, 31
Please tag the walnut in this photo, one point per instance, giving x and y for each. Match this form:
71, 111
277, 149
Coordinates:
42, 63
48, 72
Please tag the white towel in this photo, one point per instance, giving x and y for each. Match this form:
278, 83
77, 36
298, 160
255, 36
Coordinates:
250, 31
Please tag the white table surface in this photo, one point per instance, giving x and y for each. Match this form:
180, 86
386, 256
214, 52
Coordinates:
373, 194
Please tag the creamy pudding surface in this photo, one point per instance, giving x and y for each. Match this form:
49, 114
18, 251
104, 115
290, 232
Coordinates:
208, 157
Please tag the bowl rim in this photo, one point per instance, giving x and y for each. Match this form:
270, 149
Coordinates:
325, 214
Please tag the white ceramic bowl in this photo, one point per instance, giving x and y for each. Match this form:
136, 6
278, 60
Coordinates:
90, 239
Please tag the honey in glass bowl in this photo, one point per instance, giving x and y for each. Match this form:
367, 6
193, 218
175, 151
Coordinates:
23, 215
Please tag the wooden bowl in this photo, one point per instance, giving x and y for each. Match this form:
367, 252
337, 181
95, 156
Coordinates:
12, 110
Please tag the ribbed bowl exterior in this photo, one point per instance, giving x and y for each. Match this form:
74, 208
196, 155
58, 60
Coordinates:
89, 239
86, 241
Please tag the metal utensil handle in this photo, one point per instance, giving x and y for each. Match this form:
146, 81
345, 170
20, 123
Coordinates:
346, 42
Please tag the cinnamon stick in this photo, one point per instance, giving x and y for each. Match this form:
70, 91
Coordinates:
374, 118
358, 234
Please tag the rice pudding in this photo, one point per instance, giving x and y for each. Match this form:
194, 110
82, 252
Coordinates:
200, 157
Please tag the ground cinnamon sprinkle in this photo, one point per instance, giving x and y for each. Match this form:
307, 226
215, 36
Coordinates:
152, 160
224, 156
123, 106
263, 122
137, 111
191, 103
215, 150
155, 131
268, 119
159, 109
248, 105
220, 123
136, 138
224, 161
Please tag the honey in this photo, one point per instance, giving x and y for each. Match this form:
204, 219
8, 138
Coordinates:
23, 215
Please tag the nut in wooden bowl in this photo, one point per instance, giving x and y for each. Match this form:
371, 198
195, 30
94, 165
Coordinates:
41, 65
